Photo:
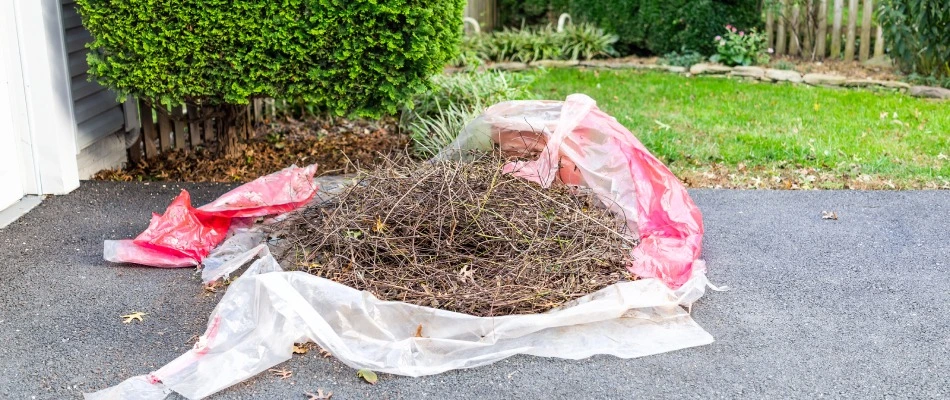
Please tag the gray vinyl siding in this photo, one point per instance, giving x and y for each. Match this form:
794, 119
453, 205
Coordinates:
97, 112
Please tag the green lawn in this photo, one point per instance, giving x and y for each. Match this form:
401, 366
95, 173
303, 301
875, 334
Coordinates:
732, 133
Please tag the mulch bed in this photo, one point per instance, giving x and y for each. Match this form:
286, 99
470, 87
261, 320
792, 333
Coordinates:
461, 237
337, 145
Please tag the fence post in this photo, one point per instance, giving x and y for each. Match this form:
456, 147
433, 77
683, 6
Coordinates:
148, 129
808, 33
179, 122
164, 129
836, 29
794, 43
194, 129
780, 32
852, 26
879, 42
822, 37
866, 30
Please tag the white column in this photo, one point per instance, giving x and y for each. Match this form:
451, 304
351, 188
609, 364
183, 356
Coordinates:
40, 95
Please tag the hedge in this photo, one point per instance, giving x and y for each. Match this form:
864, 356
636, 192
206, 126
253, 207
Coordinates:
363, 56
656, 26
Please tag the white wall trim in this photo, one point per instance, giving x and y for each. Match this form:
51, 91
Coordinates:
44, 118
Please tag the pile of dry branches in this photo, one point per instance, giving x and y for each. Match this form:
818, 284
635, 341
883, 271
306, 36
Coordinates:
462, 237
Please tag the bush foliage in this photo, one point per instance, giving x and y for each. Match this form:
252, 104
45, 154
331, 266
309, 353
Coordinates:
656, 26
575, 42
918, 34
363, 56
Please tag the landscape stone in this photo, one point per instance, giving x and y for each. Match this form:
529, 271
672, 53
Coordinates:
509, 66
749, 72
930, 92
875, 82
781, 75
824, 79
709, 69
555, 63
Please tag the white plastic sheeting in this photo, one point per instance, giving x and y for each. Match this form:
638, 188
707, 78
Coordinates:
266, 311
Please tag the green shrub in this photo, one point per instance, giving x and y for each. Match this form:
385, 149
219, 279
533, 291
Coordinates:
368, 57
586, 41
439, 114
784, 65
662, 26
918, 35
582, 41
683, 58
525, 45
741, 48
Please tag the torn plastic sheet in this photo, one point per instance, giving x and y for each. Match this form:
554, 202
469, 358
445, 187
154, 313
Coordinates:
232, 254
266, 310
578, 144
183, 236
264, 313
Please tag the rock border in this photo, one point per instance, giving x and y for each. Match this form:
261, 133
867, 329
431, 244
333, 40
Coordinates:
751, 73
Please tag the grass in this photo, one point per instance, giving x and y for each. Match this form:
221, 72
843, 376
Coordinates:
728, 133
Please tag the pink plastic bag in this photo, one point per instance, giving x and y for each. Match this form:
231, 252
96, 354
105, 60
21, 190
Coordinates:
184, 235
578, 144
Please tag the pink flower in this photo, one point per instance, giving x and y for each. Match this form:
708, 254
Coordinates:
741, 33
718, 38
728, 27
734, 29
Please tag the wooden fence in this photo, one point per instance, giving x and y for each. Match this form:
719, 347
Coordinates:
483, 11
167, 127
804, 28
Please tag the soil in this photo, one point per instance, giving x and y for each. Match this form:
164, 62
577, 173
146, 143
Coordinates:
337, 145
850, 69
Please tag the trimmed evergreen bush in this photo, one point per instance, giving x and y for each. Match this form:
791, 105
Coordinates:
367, 57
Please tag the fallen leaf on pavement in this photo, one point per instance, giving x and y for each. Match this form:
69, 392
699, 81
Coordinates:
368, 376
282, 373
135, 315
301, 349
319, 395
829, 215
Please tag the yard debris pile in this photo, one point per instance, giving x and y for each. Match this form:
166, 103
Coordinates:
487, 238
462, 237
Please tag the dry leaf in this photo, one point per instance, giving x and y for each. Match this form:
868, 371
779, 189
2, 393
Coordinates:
368, 376
380, 226
301, 349
829, 215
325, 353
135, 315
282, 373
319, 395
419, 331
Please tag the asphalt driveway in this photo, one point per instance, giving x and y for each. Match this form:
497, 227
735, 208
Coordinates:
857, 307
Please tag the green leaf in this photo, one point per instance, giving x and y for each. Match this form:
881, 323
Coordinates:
368, 376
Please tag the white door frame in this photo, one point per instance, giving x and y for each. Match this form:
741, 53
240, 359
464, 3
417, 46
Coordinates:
31, 33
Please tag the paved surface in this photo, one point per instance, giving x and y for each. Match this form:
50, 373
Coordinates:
853, 308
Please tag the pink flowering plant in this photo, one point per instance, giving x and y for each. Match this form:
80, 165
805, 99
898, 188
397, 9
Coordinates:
741, 48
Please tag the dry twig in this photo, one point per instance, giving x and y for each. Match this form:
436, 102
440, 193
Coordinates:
462, 237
